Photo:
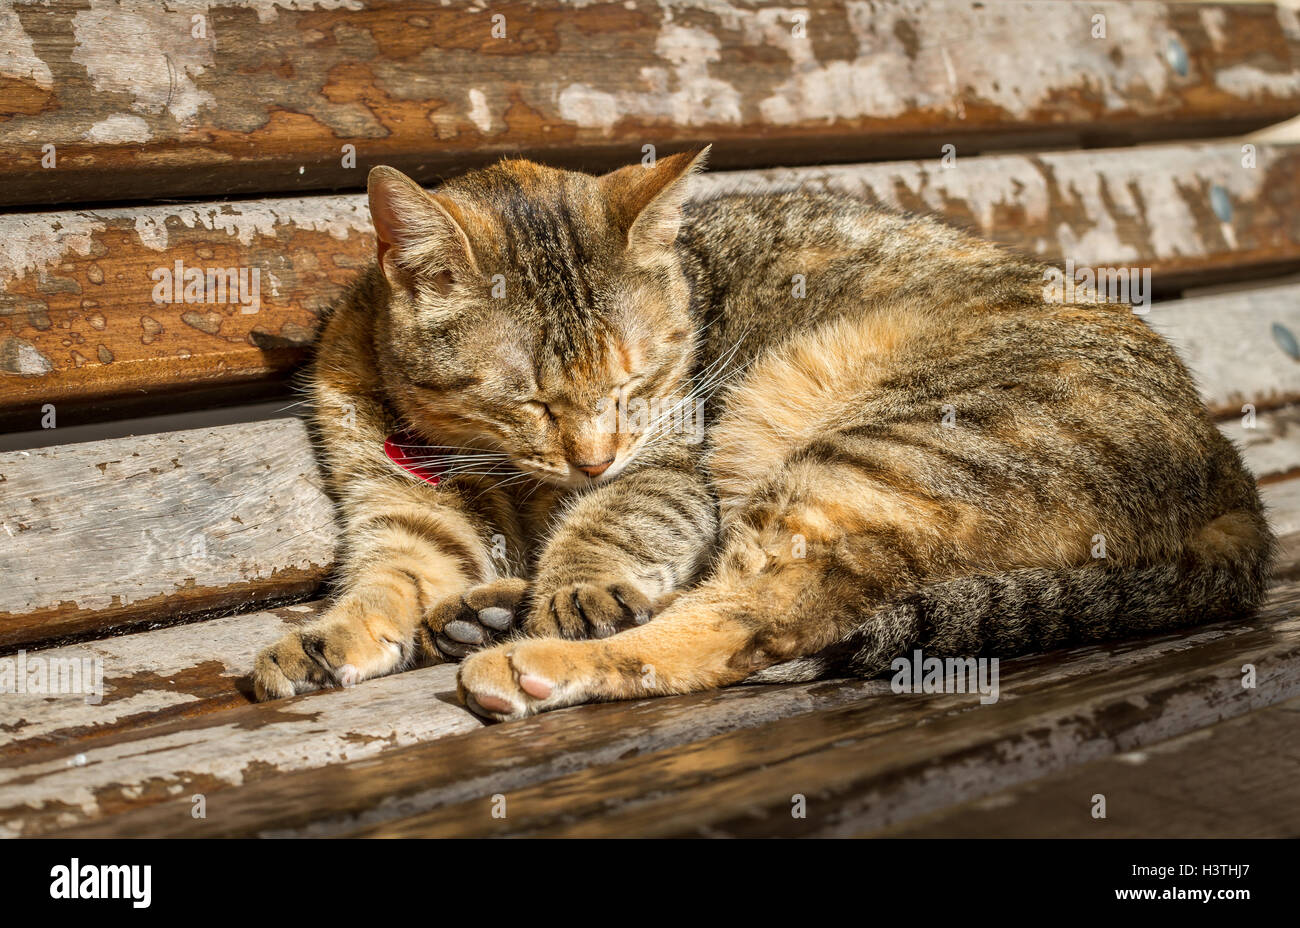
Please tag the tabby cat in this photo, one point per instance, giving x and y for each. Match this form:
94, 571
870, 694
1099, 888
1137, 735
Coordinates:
908, 444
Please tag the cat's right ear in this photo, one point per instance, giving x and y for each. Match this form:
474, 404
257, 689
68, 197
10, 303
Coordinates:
418, 233
646, 201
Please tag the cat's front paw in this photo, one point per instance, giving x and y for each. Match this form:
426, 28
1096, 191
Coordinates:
337, 650
595, 609
466, 622
521, 678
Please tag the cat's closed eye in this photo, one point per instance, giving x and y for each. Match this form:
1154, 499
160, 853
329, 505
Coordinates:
540, 408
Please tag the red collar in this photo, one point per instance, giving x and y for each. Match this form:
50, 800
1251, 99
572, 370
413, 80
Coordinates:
411, 453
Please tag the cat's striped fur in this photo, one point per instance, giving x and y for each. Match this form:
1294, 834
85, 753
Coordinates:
912, 448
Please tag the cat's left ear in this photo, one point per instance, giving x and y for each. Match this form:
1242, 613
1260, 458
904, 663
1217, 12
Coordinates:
646, 201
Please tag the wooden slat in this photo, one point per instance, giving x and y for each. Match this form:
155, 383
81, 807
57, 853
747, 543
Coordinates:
1149, 207
193, 669
855, 779
83, 777
78, 321
150, 678
167, 690
1243, 346
59, 786
1271, 444
728, 762
108, 534
1237, 779
264, 98
245, 499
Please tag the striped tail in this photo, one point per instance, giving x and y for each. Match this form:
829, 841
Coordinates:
1029, 610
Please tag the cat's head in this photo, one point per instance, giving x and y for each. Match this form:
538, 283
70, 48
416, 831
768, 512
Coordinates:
526, 305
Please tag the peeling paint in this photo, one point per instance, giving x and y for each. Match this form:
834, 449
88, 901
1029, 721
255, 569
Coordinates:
1213, 20
478, 113
1096, 190
208, 323
118, 129
337, 216
33, 241
1288, 16
1247, 82
666, 68
36, 241
896, 71
18, 58
268, 10
144, 674
21, 357
144, 51
328, 728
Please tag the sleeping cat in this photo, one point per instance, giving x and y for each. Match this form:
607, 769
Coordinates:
908, 446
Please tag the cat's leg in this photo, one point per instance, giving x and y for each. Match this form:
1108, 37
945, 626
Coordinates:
622, 549
410, 552
801, 565
714, 635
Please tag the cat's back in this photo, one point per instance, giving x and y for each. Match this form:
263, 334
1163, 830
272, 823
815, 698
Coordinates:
768, 266
748, 240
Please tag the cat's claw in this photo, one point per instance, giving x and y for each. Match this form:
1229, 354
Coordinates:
497, 618
335, 650
595, 609
462, 624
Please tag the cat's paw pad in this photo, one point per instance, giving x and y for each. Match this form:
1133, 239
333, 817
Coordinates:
326, 653
591, 610
462, 624
521, 678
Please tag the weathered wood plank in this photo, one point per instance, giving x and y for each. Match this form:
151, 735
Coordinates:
82, 318
1242, 346
854, 781
666, 765
148, 678
262, 97
162, 682
63, 785
187, 522
1183, 211
1236, 779
79, 321
107, 534
161, 766
1271, 445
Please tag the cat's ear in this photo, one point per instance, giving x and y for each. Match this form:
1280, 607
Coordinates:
419, 233
646, 202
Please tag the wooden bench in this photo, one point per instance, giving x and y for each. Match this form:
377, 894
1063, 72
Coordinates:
170, 555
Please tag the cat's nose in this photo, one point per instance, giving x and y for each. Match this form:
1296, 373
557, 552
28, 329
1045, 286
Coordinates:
593, 470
